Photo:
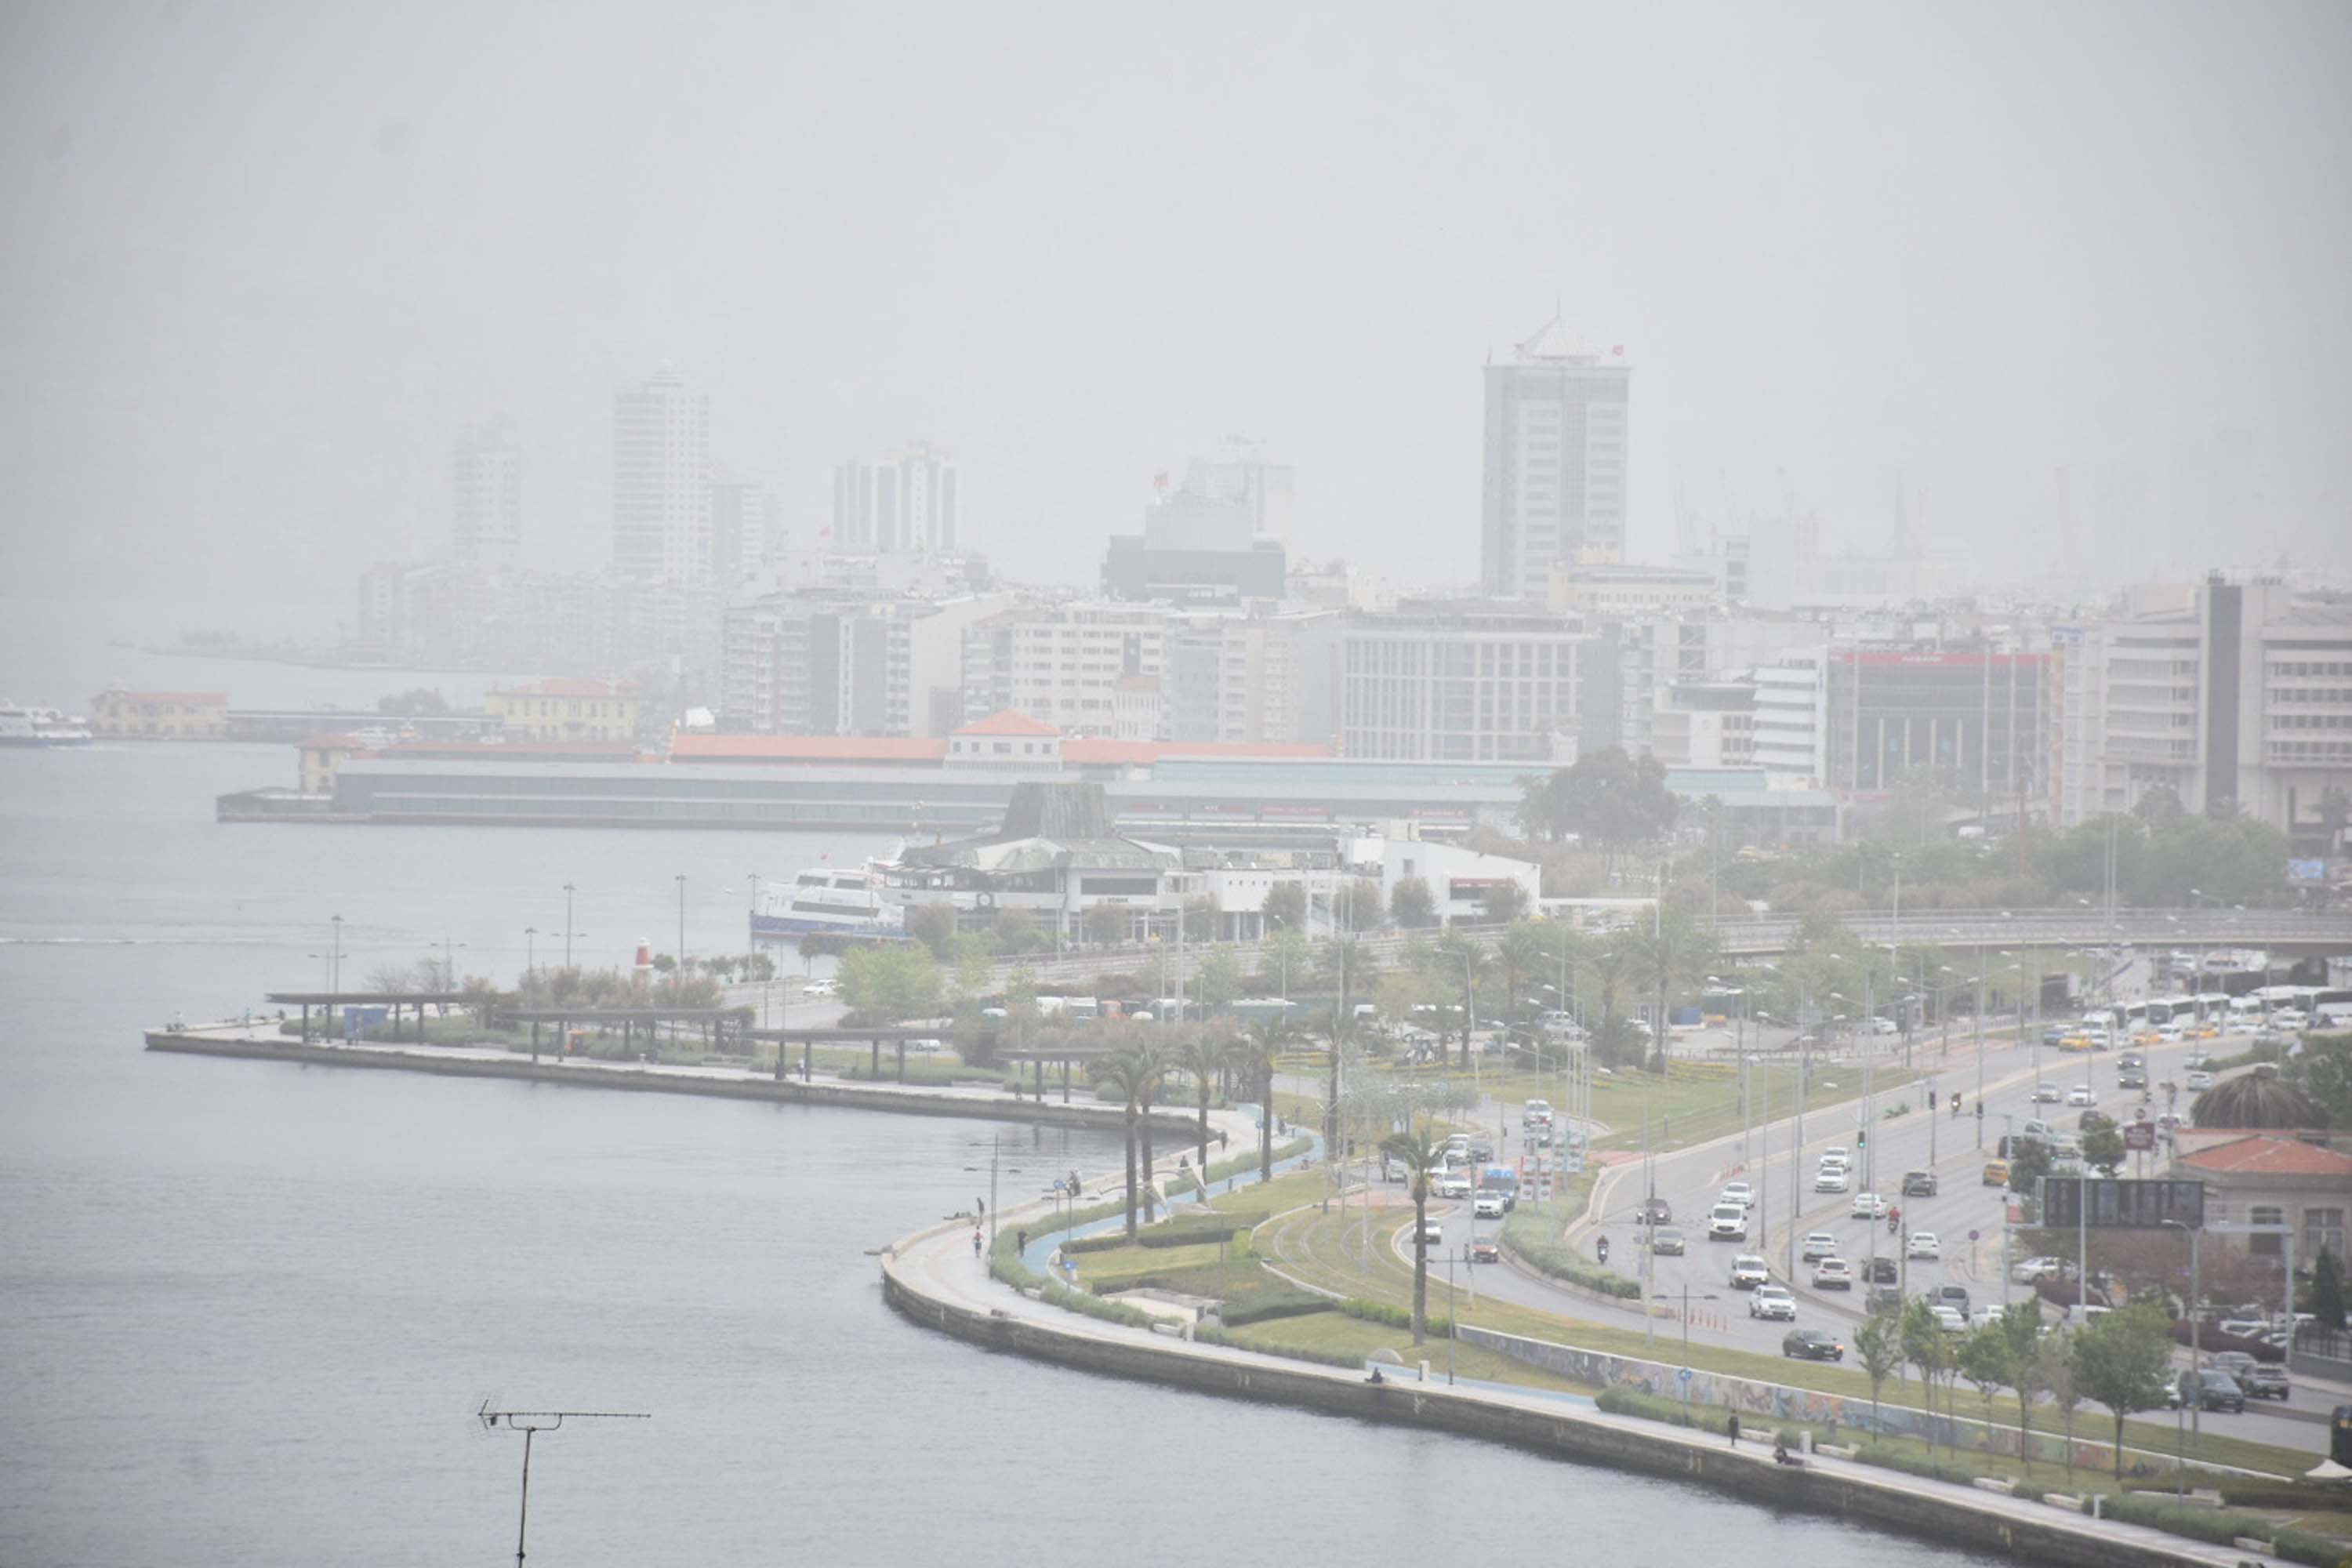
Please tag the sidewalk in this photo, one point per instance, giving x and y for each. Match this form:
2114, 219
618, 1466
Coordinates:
938, 1265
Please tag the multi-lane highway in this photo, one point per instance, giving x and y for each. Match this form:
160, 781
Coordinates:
1964, 1213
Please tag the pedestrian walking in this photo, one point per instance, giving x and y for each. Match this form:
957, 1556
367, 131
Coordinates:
975, 1241
1023, 1239
1734, 1427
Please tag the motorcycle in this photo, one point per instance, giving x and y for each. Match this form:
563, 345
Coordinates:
1600, 1249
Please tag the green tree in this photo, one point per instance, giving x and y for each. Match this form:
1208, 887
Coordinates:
1202, 1054
1926, 1347
1219, 980
933, 925
2020, 1324
1016, 931
2327, 1291
2122, 1361
1988, 1362
416, 702
2053, 1369
1465, 963
2102, 1149
1108, 925
1610, 965
1503, 903
1413, 1151
890, 980
1878, 1346
1286, 952
1125, 1075
1412, 905
1524, 952
1286, 907
1257, 1054
1672, 956
1357, 904
2323, 1071
1151, 1052
1606, 797
1201, 918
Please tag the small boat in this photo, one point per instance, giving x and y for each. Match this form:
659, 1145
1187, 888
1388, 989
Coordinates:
828, 901
22, 726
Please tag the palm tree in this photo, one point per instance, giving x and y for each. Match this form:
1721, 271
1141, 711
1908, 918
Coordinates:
1126, 1073
2258, 1099
1349, 964
1525, 950
1203, 1056
1254, 1056
1152, 1057
1465, 960
1610, 964
1412, 1151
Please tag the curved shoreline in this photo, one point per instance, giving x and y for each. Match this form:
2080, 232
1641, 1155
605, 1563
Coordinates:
931, 1279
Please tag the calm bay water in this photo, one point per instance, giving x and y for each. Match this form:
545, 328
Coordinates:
250, 1308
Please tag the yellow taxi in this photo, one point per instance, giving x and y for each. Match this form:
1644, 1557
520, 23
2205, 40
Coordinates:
2076, 1043
1996, 1173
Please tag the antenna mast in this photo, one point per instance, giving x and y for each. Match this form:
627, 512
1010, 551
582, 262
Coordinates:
531, 1423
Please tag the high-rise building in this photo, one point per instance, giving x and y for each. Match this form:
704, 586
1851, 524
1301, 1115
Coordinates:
2235, 696
904, 503
1792, 718
1972, 721
746, 533
1556, 462
661, 481
487, 519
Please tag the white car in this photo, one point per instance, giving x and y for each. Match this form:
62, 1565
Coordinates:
2045, 1094
1432, 1234
1772, 1301
1452, 1185
1923, 1244
1749, 1271
1727, 1222
1832, 1179
1820, 1244
1486, 1206
2034, 1270
2081, 1095
820, 988
1837, 1152
2199, 1079
1951, 1319
1738, 1192
1869, 1205
1833, 1274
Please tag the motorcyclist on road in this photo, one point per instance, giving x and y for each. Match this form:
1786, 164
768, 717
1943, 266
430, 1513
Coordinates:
1601, 1248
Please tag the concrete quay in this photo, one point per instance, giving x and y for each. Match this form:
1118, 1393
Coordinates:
932, 1278
260, 1042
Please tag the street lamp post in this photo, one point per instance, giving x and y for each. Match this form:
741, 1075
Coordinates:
530, 951
2195, 1400
335, 972
1685, 1294
568, 890
677, 974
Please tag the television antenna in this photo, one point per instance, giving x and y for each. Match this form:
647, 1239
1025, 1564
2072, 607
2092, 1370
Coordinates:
531, 1423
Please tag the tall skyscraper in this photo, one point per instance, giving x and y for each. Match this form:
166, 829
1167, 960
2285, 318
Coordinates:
904, 503
487, 519
747, 531
661, 481
1555, 467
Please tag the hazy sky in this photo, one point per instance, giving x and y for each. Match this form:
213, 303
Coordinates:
263, 261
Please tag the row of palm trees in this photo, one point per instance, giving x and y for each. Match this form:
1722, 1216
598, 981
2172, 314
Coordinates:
1144, 1067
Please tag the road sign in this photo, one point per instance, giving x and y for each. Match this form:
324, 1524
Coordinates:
2122, 1205
1682, 1376
2139, 1136
1972, 1236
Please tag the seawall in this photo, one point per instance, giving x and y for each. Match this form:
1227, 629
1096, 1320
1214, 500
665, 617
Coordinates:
788, 1090
1942, 1515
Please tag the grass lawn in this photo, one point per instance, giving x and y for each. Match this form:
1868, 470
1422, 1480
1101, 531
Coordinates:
1320, 1334
1687, 1110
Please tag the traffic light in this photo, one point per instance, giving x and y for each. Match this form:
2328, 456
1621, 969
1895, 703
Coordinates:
1931, 1099
1861, 1137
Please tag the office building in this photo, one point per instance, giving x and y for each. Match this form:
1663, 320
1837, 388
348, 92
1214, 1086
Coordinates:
1064, 664
1443, 681
486, 523
661, 481
747, 534
2236, 695
1792, 734
1198, 546
1704, 725
1971, 721
1555, 462
905, 502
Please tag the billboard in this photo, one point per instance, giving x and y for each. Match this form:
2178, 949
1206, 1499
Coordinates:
2139, 1137
2121, 1204
2307, 873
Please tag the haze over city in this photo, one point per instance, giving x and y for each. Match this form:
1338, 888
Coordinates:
266, 263
959, 782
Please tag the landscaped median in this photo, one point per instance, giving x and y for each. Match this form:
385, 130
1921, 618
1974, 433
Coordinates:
932, 1279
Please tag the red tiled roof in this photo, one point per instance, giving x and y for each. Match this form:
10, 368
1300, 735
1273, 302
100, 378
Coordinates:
805, 749
1005, 722
2260, 1154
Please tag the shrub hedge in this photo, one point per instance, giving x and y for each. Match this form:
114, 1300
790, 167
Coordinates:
1390, 1317
1272, 1304
1531, 1231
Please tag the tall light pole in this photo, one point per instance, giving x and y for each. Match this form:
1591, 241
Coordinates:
335, 974
677, 974
568, 890
2196, 1401
530, 951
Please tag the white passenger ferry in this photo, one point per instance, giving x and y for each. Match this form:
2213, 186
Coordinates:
830, 902
21, 726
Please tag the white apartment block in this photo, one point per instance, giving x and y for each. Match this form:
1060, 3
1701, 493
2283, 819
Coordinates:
1555, 462
2236, 695
905, 502
486, 513
1062, 664
661, 481
1445, 683
1792, 719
